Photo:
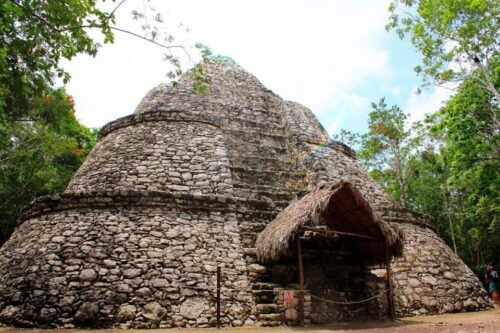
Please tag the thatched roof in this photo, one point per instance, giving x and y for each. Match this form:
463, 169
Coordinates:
339, 207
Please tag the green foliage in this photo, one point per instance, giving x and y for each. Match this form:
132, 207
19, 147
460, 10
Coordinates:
41, 142
385, 148
201, 82
470, 153
448, 165
39, 157
454, 37
35, 35
208, 55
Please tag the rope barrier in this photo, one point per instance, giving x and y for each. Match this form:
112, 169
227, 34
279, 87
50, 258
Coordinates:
348, 303
306, 291
381, 294
232, 289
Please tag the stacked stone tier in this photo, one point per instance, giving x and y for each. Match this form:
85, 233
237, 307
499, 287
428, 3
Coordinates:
138, 263
162, 153
159, 115
403, 215
128, 198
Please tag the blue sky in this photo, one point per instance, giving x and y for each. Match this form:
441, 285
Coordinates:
398, 87
333, 56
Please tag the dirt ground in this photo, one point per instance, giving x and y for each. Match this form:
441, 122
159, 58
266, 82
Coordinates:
475, 322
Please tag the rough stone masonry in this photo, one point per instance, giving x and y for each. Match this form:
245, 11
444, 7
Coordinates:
185, 185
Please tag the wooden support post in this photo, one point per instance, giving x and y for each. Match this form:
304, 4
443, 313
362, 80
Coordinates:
218, 296
301, 282
390, 295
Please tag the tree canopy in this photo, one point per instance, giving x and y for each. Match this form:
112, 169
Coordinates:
41, 142
446, 166
454, 37
35, 36
39, 157
386, 146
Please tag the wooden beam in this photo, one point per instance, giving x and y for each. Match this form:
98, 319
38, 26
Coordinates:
301, 281
390, 295
218, 296
339, 233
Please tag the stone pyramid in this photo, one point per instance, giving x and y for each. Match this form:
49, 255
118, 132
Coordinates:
185, 185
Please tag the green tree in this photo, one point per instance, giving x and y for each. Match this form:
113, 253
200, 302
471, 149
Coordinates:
35, 35
446, 167
39, 157
470, 152
454, 37
41, 142
454, 173
429, 191
385, 148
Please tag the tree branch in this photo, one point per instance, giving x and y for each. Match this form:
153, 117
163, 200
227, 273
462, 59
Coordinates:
38, 17
100, 26
116, 8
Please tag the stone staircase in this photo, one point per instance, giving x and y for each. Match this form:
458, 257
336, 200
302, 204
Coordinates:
262, 169
268, 311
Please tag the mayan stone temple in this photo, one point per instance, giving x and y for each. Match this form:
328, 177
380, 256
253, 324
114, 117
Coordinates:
234, 181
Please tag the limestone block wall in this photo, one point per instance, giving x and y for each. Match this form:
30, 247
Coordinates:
232, 92
163, 153
328, 164
252, 124
431, 279
148, 264
324, 160
302, 125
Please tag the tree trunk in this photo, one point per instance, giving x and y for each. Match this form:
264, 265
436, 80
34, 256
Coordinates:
399, 171
489, 83
448, 215
491, 87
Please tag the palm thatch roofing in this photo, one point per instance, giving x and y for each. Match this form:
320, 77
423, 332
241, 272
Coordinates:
341, 210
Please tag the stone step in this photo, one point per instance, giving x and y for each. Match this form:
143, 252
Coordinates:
264, 296
256, 137
269, 323
244, 191
267, 308
243, 123
262, 162
265, 177
266, 293
234, 145
265, 299
272, 113
265, 188
270, 316
248, 192
265, 286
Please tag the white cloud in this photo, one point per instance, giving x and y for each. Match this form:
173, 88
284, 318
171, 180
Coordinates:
315, 52
428, 101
